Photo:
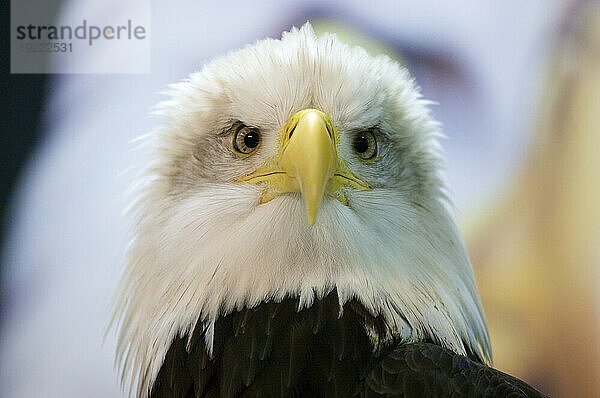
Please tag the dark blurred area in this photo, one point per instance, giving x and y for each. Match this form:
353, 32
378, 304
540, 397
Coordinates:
21, 117
22, 106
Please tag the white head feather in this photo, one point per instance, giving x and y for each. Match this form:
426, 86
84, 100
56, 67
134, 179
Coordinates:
204, 246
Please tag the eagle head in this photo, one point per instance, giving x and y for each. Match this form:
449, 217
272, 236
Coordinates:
291, 168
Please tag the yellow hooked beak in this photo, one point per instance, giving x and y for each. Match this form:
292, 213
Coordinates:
307, 162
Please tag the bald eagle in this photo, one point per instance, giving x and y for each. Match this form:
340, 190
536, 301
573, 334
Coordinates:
293, 238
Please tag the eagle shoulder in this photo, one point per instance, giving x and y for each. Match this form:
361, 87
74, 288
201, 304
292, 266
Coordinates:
428, 370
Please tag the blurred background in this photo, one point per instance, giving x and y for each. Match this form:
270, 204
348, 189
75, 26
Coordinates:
516, 86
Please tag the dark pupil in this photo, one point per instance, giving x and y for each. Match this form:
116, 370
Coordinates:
361, 144
251, 139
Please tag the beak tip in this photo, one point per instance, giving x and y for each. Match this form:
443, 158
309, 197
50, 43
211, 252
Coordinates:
311, 217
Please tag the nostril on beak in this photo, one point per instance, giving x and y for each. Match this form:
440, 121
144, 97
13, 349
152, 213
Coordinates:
330, 131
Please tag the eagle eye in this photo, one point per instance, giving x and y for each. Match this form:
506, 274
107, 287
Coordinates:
245, 140
365, 145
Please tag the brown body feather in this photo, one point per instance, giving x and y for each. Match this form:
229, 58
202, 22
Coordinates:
274, 350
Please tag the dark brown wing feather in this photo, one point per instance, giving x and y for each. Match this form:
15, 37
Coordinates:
428, 370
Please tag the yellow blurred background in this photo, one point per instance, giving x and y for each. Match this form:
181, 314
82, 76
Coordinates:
536, 249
